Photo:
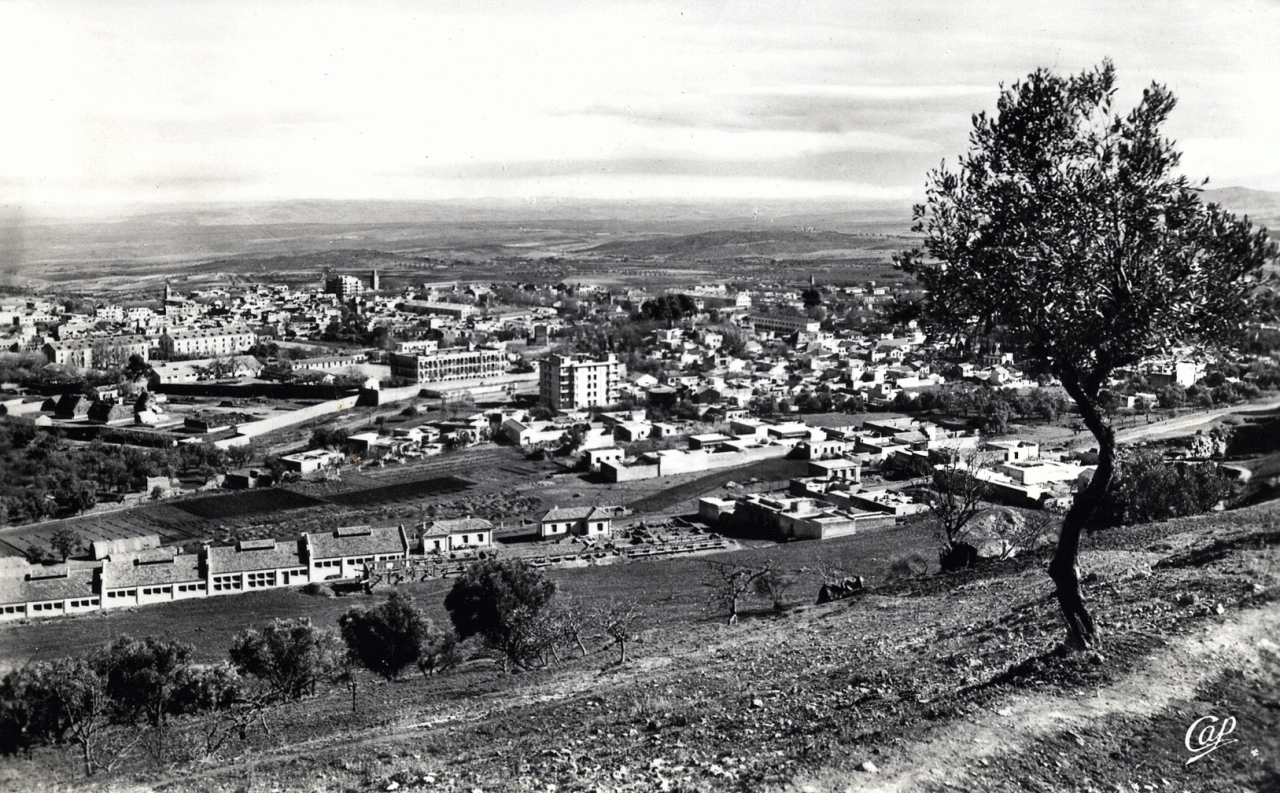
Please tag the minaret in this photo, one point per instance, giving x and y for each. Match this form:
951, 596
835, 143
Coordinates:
373, 281
168, 292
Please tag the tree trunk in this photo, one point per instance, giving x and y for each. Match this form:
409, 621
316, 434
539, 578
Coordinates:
1081, 630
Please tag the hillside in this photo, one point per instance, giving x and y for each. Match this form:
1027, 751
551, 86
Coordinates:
934, 683
748, 243
1262, 207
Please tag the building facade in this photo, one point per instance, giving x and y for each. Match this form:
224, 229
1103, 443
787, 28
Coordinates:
448, 365
568, 383
179, 342
346, 287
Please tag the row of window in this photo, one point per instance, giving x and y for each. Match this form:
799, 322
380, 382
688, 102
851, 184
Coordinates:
222, 583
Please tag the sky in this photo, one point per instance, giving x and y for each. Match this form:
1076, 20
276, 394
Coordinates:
123, 103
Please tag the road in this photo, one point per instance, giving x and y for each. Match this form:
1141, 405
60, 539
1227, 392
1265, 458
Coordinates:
1182, 423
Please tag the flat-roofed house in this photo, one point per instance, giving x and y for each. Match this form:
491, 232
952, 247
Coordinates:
48, 592
440, 536
151, 575
254, 564
343, 552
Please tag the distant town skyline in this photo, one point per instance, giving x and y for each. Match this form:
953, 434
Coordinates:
126, 103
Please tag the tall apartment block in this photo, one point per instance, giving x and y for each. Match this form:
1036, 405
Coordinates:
346, 287
568, 383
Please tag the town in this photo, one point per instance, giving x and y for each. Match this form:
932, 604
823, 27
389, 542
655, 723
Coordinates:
612, 387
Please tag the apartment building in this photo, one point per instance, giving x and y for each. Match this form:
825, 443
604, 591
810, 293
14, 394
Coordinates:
207, 342
568, 383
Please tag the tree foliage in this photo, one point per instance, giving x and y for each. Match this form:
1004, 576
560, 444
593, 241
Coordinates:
389, 638
1067, 227
291, 655
1147, 489
506, 603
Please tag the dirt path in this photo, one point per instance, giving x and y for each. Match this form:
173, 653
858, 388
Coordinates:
944, 760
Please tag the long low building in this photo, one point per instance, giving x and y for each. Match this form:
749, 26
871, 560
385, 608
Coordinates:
138, 572
446, 365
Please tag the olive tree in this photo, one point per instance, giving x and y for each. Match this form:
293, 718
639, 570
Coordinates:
507, 603
388, 638
1067, 229
291, 655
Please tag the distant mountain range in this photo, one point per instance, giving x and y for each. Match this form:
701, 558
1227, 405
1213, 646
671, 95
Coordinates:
751, 243
1260, 205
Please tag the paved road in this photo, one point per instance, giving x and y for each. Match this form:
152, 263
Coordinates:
1191, 420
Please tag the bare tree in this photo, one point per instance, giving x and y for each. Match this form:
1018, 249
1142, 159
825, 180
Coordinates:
956, 497
620, 623
570, 621
772, 584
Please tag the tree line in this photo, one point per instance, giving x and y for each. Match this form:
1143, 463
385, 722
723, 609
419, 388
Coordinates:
43, 475
149, 696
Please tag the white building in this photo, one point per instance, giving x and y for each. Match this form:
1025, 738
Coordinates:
568, 383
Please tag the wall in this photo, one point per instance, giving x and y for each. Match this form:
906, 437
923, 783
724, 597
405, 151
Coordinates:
627, 473
245, 390
245, 432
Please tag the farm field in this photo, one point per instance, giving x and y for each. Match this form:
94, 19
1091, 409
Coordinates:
493, 482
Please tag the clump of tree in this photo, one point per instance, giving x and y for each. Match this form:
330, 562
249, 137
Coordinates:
111, 702
1146, 488
291, 656
328, 438
393, 636
507, 603
668, 308
1067, 227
